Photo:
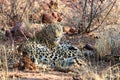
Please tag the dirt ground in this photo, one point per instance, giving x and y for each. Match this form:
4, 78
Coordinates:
76, 40
51, 75
95, 71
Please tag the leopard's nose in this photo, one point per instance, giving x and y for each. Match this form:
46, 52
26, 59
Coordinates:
57, 36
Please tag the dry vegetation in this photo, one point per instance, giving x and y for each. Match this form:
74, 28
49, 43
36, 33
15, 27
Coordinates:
92, 22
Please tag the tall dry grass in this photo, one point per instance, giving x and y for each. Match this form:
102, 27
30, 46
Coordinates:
109, 41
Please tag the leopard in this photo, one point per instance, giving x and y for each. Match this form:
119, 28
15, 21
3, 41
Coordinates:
45, 50
62, 57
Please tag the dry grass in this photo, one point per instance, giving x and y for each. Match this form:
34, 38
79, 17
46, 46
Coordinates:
87, 72
108, 43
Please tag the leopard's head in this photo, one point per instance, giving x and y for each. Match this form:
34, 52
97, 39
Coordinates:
50, 35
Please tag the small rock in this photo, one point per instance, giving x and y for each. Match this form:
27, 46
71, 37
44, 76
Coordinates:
45, 6
47, 18
89, 47
66, 29
73, 30
51, 17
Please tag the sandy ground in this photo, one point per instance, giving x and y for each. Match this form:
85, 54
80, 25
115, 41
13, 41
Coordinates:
51, 75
